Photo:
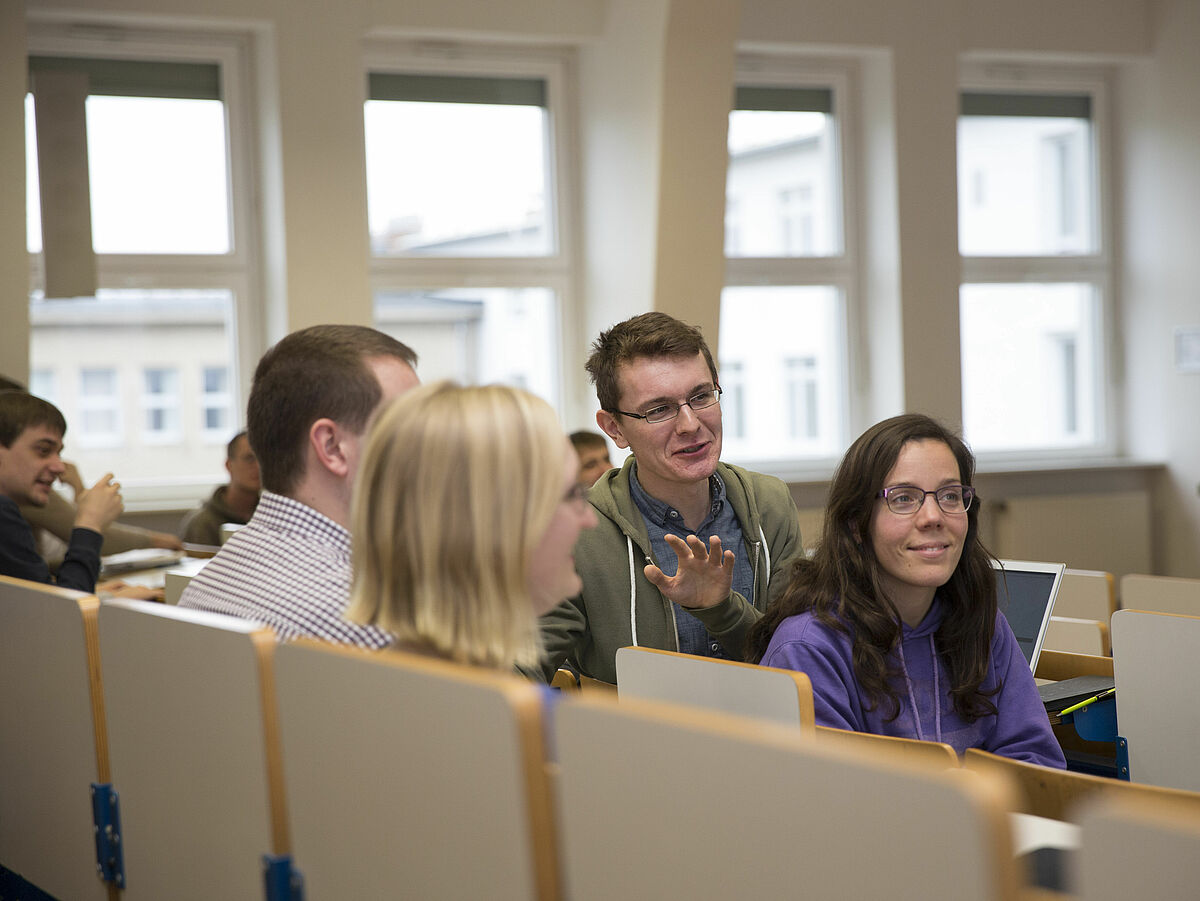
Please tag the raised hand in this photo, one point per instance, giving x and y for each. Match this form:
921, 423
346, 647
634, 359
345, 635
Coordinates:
704, 577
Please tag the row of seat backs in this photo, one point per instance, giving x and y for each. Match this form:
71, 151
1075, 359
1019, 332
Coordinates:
400, 771
1093, 595
357, 733
384, 774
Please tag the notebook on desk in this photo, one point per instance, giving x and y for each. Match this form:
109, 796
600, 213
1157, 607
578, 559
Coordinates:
1025, 592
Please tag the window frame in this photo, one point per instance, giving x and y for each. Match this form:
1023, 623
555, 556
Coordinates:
555, 270
238, 271
1094, 269
841, 272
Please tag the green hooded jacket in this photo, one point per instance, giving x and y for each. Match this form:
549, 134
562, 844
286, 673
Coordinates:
610, 558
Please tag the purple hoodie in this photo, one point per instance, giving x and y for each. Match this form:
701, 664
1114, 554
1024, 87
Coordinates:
1020, 729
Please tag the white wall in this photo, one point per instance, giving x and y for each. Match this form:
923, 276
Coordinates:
1161, 286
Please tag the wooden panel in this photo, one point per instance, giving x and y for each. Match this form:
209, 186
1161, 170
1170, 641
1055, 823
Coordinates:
1086, 594
644, 816
410, 777
779, 695
1157, 670
1134, 848
188, 748
1161, 594
49, 737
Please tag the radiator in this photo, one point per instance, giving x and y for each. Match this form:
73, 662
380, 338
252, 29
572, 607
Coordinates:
1107, 531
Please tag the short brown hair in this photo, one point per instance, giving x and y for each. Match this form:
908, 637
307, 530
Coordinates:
316, 373
584, 440
19, 410
647, 335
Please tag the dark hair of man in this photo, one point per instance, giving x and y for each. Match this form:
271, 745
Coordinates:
584, 440
647, 335
20, 410
315, 373
231, 447
841, 583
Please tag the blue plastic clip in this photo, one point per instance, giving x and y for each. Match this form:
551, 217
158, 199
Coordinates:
106, 824
280, 881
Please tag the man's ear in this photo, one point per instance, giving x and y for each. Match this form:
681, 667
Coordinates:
611, 427
327, 440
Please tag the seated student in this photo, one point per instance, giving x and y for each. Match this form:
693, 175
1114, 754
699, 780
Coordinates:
894, 619
31, 433
234, 502
311, 401
593, 455
56, 518
465, 517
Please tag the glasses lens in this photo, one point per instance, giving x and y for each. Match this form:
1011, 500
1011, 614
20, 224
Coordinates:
662, 413
955, 499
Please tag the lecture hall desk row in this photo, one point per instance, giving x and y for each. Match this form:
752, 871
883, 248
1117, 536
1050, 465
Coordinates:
247, 769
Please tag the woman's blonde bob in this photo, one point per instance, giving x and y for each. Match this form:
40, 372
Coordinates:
456, 487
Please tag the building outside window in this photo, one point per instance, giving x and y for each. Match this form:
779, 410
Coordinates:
1035, 267
466, 179
167, 152
99, 408
790, 270
215, 414
160, 405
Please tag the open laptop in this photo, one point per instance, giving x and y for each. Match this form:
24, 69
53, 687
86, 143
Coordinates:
1025, 592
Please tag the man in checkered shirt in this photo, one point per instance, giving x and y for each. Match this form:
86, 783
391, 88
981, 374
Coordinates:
289, 567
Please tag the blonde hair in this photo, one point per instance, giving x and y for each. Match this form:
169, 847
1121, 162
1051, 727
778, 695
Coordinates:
454, 492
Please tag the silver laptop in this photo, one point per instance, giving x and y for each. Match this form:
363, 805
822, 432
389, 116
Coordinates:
1025, 592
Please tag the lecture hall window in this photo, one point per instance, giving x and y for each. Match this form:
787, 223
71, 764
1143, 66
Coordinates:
789, 265
1035, 267
465, 179
171, 230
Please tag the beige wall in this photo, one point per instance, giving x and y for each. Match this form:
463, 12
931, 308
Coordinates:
644, 138
14, 261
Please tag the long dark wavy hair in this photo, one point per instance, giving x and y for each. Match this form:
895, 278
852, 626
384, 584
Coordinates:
841, 584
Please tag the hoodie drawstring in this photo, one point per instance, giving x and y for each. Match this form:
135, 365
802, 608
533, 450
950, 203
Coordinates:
937, 692
632, 592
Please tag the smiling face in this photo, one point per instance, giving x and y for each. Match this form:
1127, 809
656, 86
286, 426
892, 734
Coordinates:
918, 552
677, 454
28, 468
552, 575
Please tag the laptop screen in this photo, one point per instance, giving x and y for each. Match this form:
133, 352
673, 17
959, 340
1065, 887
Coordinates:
1025, 593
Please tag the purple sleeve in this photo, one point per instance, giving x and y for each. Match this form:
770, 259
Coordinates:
805, 645
1022, 728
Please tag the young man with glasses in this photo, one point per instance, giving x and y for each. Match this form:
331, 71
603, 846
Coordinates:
688, 550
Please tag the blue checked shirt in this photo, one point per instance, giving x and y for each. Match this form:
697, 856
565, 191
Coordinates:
662, 520
289, 569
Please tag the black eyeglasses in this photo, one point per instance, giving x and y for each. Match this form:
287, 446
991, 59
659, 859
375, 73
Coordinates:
669, 410
908, 499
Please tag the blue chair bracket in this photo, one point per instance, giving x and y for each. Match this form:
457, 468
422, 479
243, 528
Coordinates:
1122, 758
106, 826
281, 881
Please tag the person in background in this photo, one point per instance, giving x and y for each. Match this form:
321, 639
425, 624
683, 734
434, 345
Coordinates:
894, 619
233, 503
52, 522
688, 549
311, 401
593, 456
465, 518
31, 433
